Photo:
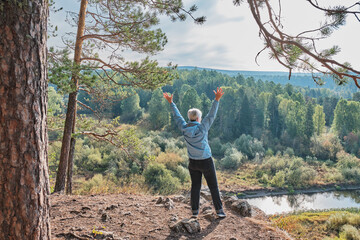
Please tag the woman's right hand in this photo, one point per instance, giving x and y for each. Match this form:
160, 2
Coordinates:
168, 97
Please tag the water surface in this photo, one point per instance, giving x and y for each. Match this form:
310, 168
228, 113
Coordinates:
317, 201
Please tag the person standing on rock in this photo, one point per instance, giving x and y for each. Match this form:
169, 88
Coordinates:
200, 161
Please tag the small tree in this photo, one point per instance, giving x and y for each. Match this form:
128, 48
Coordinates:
159, 112
346, 117
190, 100
319, 119
309, 120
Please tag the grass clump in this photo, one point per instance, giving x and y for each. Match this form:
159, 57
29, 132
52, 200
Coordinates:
340, 224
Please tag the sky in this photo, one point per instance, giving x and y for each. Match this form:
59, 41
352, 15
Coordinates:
229, 39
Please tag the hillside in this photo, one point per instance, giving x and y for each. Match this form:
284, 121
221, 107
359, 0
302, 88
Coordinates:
125, 216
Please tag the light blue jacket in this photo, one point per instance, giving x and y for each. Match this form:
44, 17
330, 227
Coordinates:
195, 133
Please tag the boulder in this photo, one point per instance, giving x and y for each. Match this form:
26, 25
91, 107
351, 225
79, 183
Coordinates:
191, 225
159, 200
177, 227
103, 235
178, 198
205, 209
127, 214
209, 215
206, 194
174, 218
230, 198
241, 207
169, 204
105, 217
112, 207
202, 200
186, 225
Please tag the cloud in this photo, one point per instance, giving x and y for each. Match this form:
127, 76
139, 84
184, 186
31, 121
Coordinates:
228, 39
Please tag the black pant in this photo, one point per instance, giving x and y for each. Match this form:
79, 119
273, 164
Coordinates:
197, 168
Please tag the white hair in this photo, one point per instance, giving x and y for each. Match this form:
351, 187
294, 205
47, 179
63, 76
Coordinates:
194, 114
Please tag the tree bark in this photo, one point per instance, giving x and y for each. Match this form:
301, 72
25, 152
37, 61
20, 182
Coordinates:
24, 182
71, 160
70, 163
70, 167
71, 110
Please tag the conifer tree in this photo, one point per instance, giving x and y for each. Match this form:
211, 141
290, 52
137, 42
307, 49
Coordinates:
245, 118
319, 119
113, 26
24, 180
159, 110
190, 100
309, 120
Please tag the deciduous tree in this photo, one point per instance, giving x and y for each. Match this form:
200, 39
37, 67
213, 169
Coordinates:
319, 119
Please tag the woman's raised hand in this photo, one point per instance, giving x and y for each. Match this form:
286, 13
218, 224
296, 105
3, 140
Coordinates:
168, 97
218, 94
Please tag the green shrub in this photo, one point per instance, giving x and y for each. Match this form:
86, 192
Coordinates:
225, 147
269, 152
295, 163
232, 159
264, 179
274, 164
89, 159
301, 176
326, 146
259, 173
351, 174
293, 170
289, 152
160, 179
349, 166
249, 146
216, 147
170, 160
279, 179
97, 185
345, 160
182, 174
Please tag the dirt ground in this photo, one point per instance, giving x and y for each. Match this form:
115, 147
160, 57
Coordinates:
125, 216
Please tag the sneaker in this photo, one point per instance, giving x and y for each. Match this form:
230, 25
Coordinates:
195, 213
220, 213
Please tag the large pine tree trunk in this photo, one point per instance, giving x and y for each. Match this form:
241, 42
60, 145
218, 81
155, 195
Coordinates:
24, 183
71, 110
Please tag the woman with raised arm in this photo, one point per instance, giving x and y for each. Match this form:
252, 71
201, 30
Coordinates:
200, 161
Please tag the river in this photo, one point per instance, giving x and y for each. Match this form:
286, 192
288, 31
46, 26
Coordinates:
316, 201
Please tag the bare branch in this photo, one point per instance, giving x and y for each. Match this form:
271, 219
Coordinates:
86, 106
305, 46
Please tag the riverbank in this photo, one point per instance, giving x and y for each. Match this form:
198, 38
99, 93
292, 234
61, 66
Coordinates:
263, 192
